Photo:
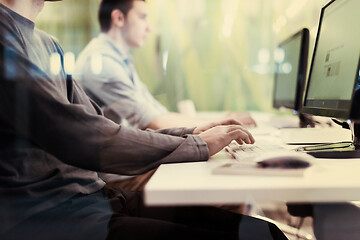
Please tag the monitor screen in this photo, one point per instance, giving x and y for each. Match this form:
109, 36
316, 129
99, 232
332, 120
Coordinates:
290, 74
334, 70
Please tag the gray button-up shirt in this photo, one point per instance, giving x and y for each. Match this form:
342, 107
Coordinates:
53, 139
107, 72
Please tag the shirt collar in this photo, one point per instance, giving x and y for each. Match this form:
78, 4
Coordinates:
23, 22
117, 47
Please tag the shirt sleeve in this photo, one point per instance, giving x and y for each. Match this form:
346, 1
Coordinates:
35, 109
181, 132
123, 100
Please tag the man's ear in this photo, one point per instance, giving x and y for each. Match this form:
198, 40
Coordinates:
117, 18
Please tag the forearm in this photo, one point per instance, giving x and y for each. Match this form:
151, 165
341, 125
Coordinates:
77, 136
173, 120
141, 151
180, 132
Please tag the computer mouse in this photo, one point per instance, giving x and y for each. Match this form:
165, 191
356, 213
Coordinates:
289, 160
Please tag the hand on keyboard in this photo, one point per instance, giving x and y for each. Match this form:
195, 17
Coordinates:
244, 117
250, 152
220, 136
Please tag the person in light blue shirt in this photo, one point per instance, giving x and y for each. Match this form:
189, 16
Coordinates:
116, 82
105, 70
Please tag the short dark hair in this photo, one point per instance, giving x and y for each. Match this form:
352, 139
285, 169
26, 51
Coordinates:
106, 8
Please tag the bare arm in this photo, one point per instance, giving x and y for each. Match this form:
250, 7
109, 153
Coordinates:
172, 119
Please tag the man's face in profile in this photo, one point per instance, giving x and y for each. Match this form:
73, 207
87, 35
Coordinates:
137, 27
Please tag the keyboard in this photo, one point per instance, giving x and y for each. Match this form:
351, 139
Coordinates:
248, 152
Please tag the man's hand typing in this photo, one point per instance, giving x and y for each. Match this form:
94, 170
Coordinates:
220, 136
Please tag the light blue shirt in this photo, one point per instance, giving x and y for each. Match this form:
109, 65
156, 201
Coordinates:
107, 72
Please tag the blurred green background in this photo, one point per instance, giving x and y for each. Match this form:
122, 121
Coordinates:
218, 53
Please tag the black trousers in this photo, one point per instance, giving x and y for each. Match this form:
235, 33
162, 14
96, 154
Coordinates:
123, 216
142, 222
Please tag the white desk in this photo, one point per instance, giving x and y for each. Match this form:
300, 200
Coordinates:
194, 184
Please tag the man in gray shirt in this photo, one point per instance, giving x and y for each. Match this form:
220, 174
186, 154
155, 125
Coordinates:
105, 70
53, 140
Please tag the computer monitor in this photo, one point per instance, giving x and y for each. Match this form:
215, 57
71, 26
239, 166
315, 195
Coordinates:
290, 74
332, 88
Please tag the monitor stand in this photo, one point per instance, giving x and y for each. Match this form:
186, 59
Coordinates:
306, 120
340, 149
